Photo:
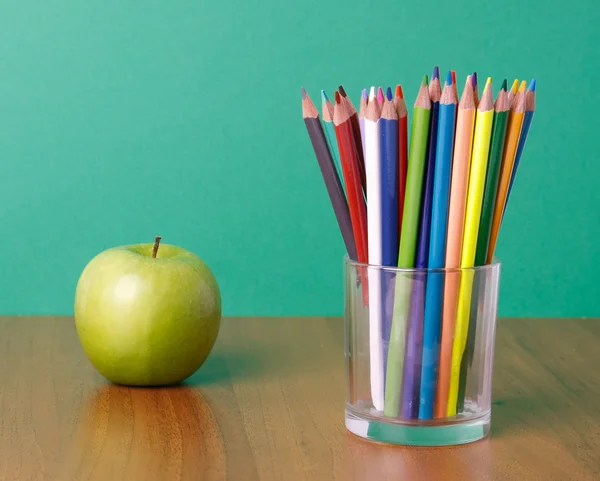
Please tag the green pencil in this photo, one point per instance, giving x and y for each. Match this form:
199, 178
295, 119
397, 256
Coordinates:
327, 110
493, 175
406, 254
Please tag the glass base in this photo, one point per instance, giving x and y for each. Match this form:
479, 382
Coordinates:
395, 432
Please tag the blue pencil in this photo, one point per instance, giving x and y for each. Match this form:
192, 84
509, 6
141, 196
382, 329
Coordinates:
414, 338
530, 109
389, 211
434, 293
389, 182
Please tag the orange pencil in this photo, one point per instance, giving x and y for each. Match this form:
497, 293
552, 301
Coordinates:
513, 131
352, 179
512, 92
461, 163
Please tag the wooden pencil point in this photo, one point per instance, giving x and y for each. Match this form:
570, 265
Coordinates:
342, 91
340, 111
388, 111
487, 99
304, 94
309, 111
467, 100
448, 95
423, 99
373, 112
435, 90
502, 104
504, 85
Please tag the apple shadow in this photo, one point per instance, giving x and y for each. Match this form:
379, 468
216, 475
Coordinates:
241, 364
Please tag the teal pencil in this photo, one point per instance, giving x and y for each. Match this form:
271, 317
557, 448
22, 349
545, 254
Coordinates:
327, 108
406, 254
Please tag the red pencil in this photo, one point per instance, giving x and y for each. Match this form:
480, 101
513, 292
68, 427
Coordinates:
351, 171
357, 138
402, 152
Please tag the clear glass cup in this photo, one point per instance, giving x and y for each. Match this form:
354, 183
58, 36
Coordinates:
419, 353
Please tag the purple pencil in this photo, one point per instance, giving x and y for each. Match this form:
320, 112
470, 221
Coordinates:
329, 172
414, 337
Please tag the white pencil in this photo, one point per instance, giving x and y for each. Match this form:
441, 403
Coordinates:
373, 174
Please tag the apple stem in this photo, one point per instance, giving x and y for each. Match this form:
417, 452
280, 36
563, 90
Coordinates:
156, 244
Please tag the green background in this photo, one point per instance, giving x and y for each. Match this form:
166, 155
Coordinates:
123, 120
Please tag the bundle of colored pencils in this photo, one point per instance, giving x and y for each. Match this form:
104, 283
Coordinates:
438, 203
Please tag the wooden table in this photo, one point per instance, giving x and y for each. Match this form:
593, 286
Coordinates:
269, 405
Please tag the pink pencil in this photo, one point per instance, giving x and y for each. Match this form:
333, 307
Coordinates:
461, 163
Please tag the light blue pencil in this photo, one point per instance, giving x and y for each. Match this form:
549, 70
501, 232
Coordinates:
434, 293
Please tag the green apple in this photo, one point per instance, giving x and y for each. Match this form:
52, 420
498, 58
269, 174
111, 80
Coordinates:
147, 316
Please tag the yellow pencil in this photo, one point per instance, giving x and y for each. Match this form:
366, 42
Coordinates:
479, 160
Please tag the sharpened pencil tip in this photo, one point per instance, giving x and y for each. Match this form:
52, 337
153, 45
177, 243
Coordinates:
342, 91
380, 95
532, 85
523, 86
389, 93
474, 79
453, 72
338, 99
436, 73
515, 85
363, 94
304, 94
324, 98
488, 82
372, 93
425, 81
449, 77
399, 92
504, 85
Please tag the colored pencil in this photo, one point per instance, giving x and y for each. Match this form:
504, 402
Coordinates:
380, 96
389, 181
414, 335
327, 109
329, 173
455, 87
434, 294
475, 89
479, 158
529, 111
400, 105
493, 175
487, 210
373, 171
406, 252
512, 92
350, 167
356, 136
361, 121
461, 162
513, 132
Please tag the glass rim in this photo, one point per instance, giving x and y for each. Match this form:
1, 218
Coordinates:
487, 267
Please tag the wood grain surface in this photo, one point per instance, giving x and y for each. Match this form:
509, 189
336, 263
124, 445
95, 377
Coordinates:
269, 405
